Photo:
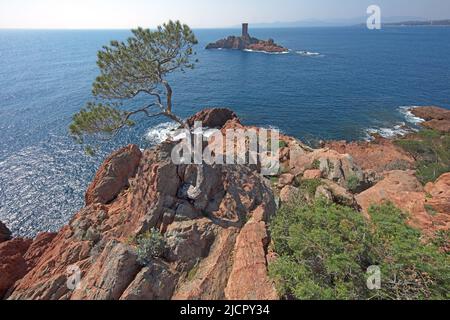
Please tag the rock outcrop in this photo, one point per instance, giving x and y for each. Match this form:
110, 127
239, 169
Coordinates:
214, 230
428, 209
333, 166
377, 156
215, 242
113, 175
12, 263
435, 118
19, 256
213, 118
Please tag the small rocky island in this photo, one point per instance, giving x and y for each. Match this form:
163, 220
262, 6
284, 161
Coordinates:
246, 42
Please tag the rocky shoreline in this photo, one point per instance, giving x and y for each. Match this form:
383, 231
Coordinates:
217, 243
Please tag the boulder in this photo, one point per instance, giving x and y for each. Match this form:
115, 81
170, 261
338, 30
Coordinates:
333, 165
113, 176
312, 174
110, 275
286, 179
289, 193
155, 282
5, 233
324, 193
212, 118
339, 194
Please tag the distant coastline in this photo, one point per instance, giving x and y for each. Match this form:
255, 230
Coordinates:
417, 23
420, 23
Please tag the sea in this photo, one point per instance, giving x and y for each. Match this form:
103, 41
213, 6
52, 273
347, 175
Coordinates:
339, 83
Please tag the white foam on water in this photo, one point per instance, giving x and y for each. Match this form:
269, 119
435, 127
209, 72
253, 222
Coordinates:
265, 52
161, 132
308, 53
409, 116
389, 133
410, 125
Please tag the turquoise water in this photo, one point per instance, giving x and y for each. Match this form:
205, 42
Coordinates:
336, 83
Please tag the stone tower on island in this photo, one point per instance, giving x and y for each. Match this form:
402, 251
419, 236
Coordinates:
245, 30
246, 42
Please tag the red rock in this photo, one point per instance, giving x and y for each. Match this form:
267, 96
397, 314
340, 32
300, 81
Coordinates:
5, 234
431, 113
404, 190
288, 194
334, 166
435, 118
204, 282
379, 156
110, 275
98, 240
286, 179
438, 197
113, 176
213, 118
248, 279
267, 46
13, 265
312, 174
38, 247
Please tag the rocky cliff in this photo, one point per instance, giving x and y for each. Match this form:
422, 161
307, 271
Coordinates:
216, 243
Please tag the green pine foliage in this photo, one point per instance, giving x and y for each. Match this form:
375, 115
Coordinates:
149, 246
137, 67
325, 251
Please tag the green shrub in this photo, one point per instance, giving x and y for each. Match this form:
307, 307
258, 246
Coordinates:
283, 144
150, 245
322, 251
411, 269
429, 134
430, 172
431, 150
325, 250
353, 184
309, 187
315, 165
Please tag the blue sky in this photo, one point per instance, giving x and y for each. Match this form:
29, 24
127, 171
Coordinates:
82, 14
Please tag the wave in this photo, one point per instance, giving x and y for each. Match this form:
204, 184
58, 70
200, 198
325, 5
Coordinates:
409, 116
397, 131
266, 52
309, 54
161, 132
410, 125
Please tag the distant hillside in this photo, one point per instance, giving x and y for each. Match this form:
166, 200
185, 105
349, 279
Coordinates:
420, 23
